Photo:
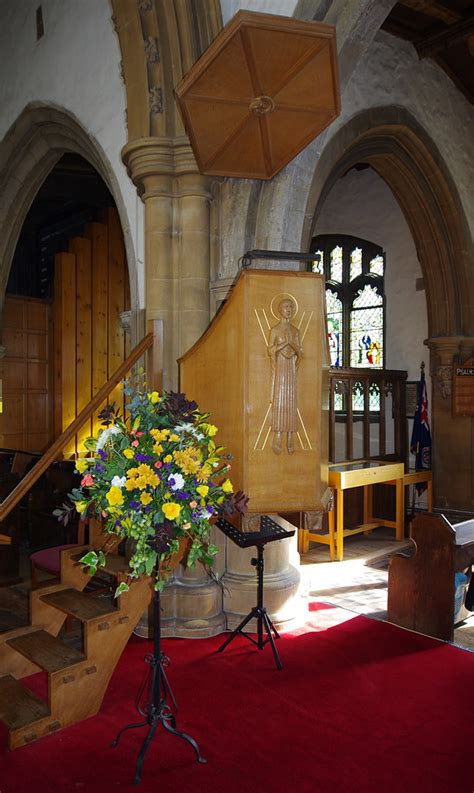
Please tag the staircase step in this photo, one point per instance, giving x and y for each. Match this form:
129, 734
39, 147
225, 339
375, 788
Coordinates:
78, 605
46, 651
114, 564
19, 706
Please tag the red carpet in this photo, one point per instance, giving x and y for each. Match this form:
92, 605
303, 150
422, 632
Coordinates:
360, 706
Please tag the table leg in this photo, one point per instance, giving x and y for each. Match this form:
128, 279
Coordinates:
399, 508
340, 524
331, 534
429, 494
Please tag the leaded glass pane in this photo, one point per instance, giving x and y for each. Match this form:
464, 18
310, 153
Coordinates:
374, 397
335, 330
376, 265
366, 329
317, 265
358, 397
336, 264
356, 263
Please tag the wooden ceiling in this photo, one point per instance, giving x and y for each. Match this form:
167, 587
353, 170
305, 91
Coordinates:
442, 30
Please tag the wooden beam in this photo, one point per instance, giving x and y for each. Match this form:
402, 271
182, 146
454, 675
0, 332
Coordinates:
446, 38
435, 9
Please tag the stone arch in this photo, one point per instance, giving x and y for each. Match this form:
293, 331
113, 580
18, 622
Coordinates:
29, 151
401, 152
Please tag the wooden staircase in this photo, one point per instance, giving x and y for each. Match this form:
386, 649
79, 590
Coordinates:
77, 680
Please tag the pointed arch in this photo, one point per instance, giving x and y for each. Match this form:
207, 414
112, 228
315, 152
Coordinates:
401, 152
30, 150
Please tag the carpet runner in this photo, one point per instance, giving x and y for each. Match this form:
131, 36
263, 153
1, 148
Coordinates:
360, 706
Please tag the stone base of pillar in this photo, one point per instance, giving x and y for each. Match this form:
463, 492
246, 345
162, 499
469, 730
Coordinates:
280, 598
188, 611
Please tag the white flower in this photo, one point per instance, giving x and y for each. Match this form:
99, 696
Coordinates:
176, 481
189, 429
118, 481
106, 435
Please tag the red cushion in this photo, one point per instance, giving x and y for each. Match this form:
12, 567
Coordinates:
49, 559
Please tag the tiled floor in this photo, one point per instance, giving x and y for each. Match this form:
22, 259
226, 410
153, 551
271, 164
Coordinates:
359, 582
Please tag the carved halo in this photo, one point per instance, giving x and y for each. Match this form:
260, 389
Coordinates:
278, 298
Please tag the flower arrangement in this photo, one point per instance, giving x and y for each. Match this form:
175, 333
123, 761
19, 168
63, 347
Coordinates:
155, 477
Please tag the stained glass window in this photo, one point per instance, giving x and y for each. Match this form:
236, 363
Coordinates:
354, 271
376, 265
356, 263
318, 262
336, 264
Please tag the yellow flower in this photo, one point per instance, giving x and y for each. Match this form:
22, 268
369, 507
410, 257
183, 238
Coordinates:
203, 490
154, 397
82, 465
227, 486
208, 429
157, 448
174, 437
168, 458
171, 510
204, 473
129, 454
114, 496
145, 498
130, 484
80, 506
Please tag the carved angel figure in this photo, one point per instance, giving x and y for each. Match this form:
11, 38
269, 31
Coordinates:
285, 351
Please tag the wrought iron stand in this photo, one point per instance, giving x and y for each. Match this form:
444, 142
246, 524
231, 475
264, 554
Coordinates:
269, 532
157, 710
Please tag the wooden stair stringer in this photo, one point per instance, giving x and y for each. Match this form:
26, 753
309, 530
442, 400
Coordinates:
76, 692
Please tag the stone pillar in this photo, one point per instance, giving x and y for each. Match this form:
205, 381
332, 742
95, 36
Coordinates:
452, 438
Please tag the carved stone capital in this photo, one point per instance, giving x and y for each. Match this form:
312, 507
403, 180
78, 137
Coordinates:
153, 162
443, 379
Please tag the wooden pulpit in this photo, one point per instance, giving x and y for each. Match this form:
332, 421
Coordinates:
261, 370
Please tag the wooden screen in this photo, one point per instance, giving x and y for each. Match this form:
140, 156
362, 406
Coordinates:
26, 422
91, 289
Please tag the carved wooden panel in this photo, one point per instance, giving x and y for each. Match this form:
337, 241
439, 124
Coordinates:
229, 371
463, 388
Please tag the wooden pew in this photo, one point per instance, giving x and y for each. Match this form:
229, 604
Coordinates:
421, 586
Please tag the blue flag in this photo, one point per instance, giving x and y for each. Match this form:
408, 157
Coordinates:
420, 444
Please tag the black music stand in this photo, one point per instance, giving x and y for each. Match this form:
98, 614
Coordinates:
269, 532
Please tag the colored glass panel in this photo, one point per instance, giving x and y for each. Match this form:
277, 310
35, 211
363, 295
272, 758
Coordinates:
358, 397
376, 265
317, 265
356, 264
336, 265
366, 329
374, 397
335, 327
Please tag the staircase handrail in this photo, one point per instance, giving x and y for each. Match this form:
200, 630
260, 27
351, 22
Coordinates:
154, 377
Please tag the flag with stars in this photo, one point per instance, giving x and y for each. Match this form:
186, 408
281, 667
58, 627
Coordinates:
420, 444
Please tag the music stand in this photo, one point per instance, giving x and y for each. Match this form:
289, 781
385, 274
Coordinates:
269, 532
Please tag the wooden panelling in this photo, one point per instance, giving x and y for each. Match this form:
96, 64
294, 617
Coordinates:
25, 421
81, 247
90, 295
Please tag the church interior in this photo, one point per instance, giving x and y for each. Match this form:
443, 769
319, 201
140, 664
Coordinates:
266, 206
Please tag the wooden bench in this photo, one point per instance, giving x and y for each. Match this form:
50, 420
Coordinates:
421, 585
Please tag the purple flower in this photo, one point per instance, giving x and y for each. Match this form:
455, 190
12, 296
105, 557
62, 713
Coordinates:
143, 458
102, 454
181, 494
99, 468
135, 505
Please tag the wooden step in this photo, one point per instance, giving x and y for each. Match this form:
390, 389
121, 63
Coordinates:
19, 707
78, 605
114, 564
46, 651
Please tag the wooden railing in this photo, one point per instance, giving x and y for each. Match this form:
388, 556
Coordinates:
151, 343
362, 386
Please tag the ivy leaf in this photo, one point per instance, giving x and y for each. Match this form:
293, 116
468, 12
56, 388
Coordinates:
122, 587
90, 558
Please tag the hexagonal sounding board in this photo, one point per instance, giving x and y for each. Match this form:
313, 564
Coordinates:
259, 94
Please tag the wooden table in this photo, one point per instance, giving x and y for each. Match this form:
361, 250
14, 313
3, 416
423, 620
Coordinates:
361, 473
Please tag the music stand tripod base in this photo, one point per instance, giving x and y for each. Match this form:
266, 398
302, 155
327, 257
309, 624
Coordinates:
269, 532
